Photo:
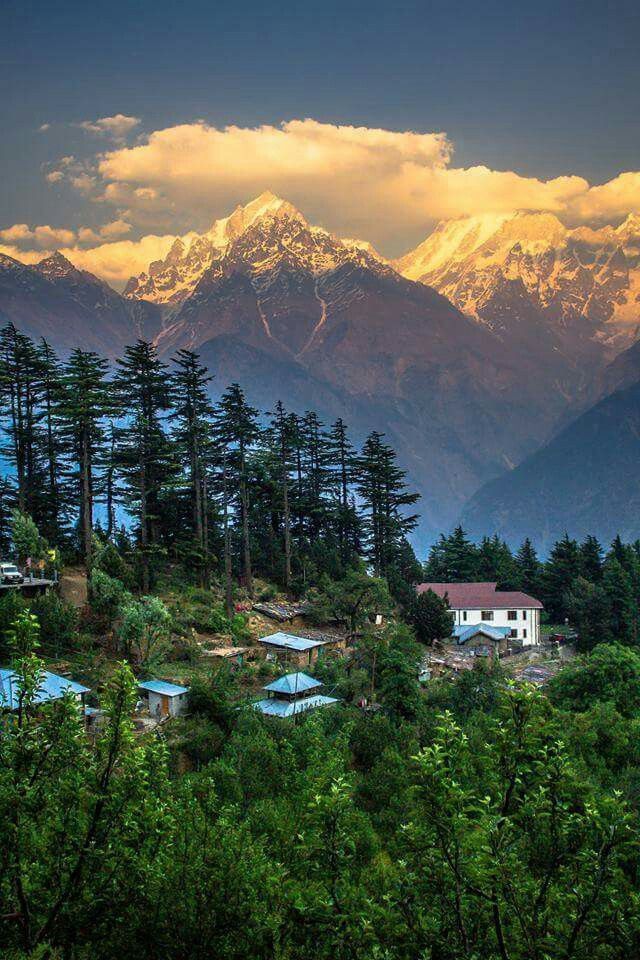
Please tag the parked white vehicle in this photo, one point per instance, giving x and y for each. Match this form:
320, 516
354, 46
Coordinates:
9, 574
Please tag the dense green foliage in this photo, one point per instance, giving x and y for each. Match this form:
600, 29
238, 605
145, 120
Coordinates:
435, 827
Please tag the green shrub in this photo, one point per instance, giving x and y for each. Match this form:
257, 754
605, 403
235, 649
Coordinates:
12, 605
58, 622
145, 630
267, 593
109, 561
107, 595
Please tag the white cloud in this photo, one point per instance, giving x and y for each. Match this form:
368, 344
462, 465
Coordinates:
42, 236
116, 127
609, 201
19, 232
118, 260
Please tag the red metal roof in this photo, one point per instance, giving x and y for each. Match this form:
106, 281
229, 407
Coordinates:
480, 596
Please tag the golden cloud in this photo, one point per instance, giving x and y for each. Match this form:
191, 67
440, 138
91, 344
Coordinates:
42, 236
388, 187
384, 185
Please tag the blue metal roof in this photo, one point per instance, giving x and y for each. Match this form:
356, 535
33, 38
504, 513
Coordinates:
162, 687
293, 683
52, 687
464, 632
288, 641
289, 708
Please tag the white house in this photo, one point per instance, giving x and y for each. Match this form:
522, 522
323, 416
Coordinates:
473, 604
164, 699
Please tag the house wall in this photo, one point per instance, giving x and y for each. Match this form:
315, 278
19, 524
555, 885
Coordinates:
526, 624
299, 658
163, 706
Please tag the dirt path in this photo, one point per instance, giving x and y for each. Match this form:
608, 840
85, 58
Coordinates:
73, 586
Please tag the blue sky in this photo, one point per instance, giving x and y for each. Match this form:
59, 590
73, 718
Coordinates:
542, 89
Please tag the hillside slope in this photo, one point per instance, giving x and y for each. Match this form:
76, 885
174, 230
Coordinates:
584, 481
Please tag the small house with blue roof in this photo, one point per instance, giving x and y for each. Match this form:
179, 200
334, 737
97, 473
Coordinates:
51, 687
164, 699
483, 639
299, 651
292, 695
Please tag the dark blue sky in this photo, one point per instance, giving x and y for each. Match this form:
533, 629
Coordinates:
540, 88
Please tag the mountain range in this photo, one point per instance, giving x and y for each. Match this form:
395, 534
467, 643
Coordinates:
470, 352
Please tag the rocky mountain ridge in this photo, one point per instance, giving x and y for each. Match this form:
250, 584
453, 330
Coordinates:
580, 281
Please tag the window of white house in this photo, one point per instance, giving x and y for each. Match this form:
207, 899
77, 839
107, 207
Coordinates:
514, 632
524, 614
512, 614
524, 634
486, 615
464, 614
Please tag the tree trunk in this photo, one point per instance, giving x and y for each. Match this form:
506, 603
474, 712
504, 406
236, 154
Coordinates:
109, 492
87, 511
228, 585
144, 531
205, 529
246, 543
287, 514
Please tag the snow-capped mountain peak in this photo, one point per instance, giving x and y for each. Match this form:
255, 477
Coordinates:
259, 236
56, 266
528, 270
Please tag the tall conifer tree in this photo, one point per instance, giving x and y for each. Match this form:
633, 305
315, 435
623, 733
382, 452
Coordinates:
143, 450
237, 430
81, 410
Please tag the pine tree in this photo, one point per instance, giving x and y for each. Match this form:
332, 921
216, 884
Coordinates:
591, 559
561, 569
237, 429
528, 569
316, 475
342, 463
496, 563
143, 450
50, 375
281, 439
627, 557
384, 494
430, 617
452, 559
20, 417
81, 409
111, 491
7, 506
192, 436
623, 609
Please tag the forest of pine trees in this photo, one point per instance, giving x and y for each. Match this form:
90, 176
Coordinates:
213, 485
